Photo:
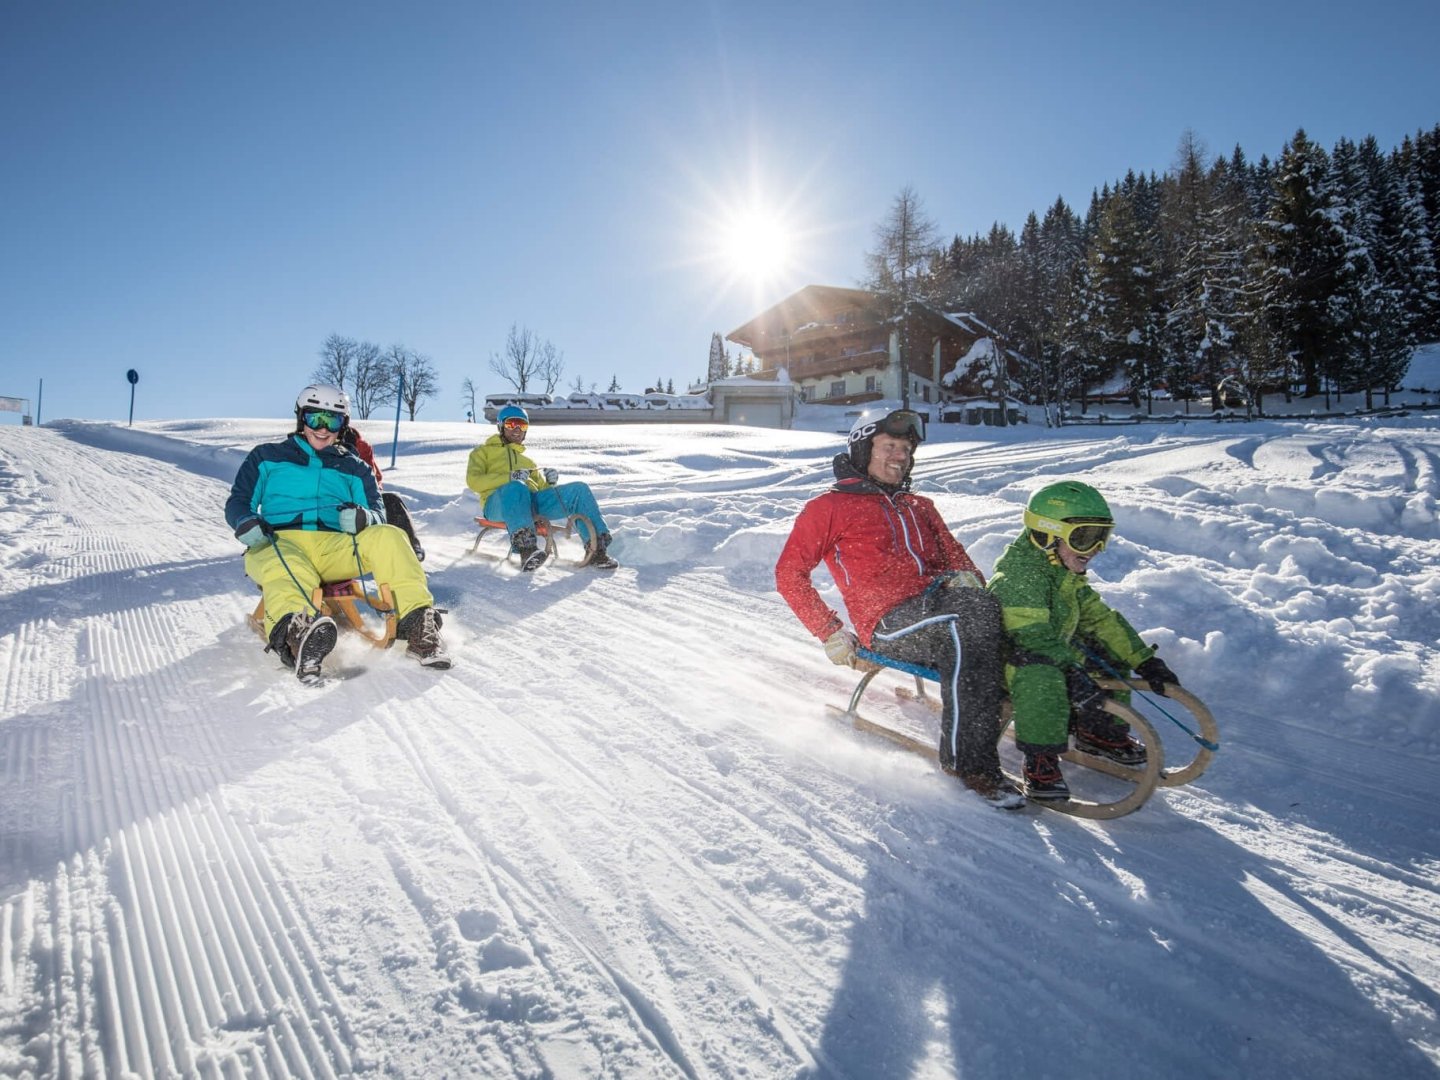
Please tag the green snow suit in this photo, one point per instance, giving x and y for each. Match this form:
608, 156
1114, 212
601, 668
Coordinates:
1044, 606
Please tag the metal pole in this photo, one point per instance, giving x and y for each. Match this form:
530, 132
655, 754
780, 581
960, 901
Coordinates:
132, 405
39, 402
399, 397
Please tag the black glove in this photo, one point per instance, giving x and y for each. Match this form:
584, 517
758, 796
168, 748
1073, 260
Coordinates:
353, 517
253, 531
1085, 696
1155, 672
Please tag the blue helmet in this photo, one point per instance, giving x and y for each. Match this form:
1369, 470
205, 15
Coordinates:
509, 414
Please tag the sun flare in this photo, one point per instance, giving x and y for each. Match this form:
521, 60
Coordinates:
756, 245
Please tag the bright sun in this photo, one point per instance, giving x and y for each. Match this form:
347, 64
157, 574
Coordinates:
755, 245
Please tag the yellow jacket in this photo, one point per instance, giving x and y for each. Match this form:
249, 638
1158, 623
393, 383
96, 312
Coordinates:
491, 464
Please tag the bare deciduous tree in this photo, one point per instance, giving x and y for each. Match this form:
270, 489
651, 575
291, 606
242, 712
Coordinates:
374, 379
467, 396
418, 374
337, 359
552, 366
527, 359
521, 360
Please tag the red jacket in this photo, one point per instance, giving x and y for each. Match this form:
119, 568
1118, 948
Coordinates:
881, 548
365, 453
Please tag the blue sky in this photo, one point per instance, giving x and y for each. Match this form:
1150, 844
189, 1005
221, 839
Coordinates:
204, 192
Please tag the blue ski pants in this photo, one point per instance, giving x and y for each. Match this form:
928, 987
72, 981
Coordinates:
518, 505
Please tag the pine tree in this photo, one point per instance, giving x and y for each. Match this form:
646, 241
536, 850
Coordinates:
1122, 308
1305, 255
899, 266
1406, 257
614, 387
719, 360
1375, 330
1204, 220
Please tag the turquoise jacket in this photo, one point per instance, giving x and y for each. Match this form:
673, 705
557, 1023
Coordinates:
291, 486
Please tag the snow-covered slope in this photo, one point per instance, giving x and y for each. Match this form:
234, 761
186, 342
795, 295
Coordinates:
622, 839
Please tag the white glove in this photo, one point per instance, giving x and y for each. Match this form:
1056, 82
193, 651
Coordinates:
523, 475
963, 579
353, 518
552, 476
840, 648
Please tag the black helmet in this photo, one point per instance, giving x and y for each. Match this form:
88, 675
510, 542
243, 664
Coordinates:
902, 424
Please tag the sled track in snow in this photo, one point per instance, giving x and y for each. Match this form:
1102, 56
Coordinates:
153, 938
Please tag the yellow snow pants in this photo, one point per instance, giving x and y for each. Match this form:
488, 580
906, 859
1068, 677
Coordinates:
290, 569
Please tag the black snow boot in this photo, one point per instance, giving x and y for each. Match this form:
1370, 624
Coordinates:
1110, 740
602, 559
421, 631
1043, 779
532, 555
302, 641
995, 788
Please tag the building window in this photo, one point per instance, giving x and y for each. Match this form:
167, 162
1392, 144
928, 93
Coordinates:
837, 388
869, 383
927, 393
807, 393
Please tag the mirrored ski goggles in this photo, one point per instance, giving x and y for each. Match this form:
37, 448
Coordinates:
901, 424
316, 419
514, 424
1086, 538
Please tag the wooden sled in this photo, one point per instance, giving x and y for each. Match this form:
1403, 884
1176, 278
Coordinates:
545, 530
1145, 778
338, 600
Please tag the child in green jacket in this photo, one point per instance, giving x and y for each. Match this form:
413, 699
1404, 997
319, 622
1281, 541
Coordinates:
1047, 605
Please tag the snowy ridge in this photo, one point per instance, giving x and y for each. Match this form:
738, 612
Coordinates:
620, 838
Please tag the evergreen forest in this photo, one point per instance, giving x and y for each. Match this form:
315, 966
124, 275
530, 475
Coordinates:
1307, 276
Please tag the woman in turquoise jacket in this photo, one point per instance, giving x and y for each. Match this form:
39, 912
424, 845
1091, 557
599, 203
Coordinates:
308, 512
1048, 606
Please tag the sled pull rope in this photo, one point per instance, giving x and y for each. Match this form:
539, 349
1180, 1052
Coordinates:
360, 569
1206, 743
895, 635
275, 541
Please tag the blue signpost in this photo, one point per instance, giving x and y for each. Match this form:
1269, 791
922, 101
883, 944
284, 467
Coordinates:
134, 377
399, 397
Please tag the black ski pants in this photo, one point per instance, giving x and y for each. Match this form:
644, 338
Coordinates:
958, 632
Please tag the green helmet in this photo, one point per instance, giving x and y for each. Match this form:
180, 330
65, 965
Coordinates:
1069, 511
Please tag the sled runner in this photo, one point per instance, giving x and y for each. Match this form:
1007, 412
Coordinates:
546, 530
1145, 778
338, 600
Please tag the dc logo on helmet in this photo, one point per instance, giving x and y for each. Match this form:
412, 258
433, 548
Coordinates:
900, 424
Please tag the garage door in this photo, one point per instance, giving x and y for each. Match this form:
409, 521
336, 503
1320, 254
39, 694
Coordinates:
754, 413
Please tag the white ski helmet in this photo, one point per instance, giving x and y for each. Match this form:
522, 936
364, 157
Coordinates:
323, 396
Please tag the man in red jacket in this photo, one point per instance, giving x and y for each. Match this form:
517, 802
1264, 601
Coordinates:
910, 589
